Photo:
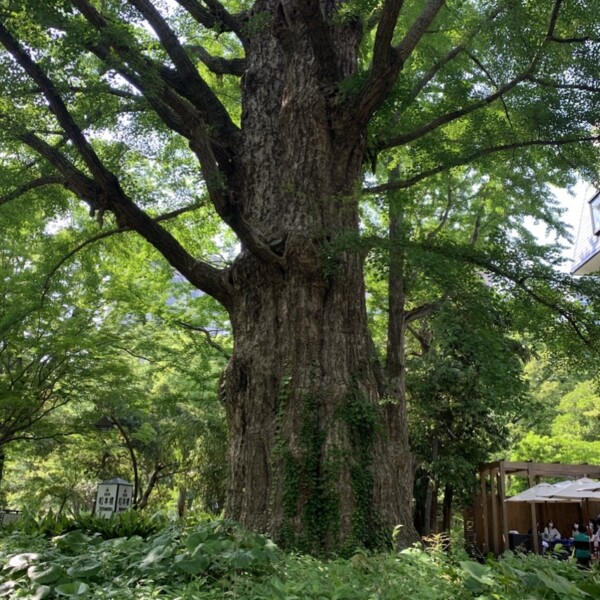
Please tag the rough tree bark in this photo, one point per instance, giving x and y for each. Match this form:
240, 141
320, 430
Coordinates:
314, 457
316, 460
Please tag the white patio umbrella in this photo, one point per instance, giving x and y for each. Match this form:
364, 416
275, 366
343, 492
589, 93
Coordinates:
541, 493
580, 489
591, 487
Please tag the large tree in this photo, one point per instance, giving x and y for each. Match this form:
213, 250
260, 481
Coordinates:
282, 103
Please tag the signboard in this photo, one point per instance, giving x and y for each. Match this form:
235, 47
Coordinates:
114, 495
8, 516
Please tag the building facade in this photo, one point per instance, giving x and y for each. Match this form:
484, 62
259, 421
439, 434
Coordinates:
586, 258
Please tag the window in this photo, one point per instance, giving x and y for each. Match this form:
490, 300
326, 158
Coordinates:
595, 208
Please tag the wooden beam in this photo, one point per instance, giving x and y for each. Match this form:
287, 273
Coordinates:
522, 469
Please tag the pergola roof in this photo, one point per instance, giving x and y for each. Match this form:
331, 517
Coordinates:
495, 475
527, 469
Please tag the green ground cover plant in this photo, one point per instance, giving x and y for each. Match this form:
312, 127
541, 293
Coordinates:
213, 559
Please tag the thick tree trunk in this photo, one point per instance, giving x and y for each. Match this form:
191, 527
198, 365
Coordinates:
316, 460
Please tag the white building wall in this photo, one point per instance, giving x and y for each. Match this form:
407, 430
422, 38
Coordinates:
586, 256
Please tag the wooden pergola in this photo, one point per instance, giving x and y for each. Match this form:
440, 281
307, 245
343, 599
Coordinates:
491, 512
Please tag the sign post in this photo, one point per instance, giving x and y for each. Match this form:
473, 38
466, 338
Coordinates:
113, 496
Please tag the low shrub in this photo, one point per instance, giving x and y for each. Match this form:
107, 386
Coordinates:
216, 559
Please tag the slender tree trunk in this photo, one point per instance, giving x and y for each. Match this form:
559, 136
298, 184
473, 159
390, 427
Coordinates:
2, 465
431, 496
181, 501
134, 464
447, 507
395, 451
152, 482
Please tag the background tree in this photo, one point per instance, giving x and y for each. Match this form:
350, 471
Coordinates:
98, 90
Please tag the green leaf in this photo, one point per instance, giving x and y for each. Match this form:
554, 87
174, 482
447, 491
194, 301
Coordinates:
74, 588
73, 540
480, 573
20, 562
42, 592
7, 588
41, 574
194, 566
88, 567
192, 541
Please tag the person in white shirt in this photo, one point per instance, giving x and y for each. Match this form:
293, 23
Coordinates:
551, 534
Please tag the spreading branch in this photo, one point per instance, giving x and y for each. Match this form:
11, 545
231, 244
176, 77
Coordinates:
420, 312
434, 124
32, 185
472, 157
215, 16
217, 64
57, 106
213, 136
429, 75
105, 234
388, 60
207, 334
501, 90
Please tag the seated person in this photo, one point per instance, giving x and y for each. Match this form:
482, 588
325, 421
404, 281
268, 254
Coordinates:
595, 536
551, 534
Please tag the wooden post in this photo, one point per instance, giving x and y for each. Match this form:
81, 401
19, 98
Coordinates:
503, 507
484, 508
495, 523
534, 528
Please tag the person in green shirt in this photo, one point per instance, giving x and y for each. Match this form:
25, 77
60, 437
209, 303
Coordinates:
582, 555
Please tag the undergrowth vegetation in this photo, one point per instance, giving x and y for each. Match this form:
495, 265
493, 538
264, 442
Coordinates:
208, 559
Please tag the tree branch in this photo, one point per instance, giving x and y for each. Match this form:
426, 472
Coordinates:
319, 35
215, 17
211, 132
208, 336
216, 64
193, 87
420, 312
498, 94
582, 87
32, 185
388, 60
476, 155
434, 124
575, 40
104, 234
57, 106
204, 276
444, 217
449, 57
